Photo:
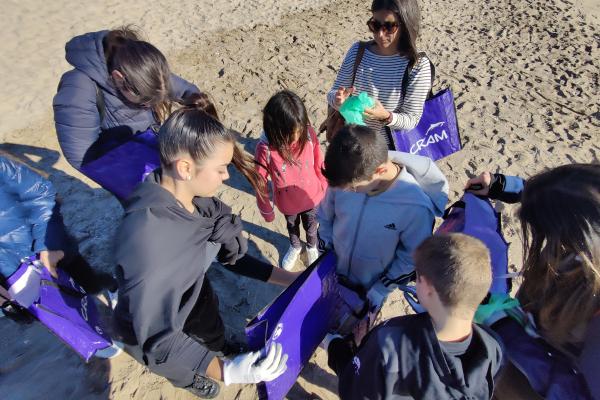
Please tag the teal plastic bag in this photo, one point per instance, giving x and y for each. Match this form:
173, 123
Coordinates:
498, 302
352, 109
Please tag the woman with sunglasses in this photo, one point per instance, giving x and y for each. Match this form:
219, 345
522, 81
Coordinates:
119, 85
395, 28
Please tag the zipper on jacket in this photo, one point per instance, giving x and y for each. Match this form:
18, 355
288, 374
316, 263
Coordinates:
356, 235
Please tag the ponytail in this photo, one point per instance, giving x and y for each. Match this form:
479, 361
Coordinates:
242, 161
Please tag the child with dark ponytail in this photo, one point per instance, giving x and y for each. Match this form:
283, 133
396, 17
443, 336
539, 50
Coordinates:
172, 231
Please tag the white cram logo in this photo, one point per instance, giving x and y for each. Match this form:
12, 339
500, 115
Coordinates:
430, 138
277, 331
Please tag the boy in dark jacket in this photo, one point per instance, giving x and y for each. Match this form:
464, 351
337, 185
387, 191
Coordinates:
440, 354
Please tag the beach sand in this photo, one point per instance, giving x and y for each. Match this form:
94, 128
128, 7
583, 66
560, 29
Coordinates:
525, 74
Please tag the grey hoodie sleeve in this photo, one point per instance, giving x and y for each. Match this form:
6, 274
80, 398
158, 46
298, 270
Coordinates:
325, 215
76, 116
428, 175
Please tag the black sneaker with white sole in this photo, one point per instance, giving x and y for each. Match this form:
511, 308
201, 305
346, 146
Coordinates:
204, 387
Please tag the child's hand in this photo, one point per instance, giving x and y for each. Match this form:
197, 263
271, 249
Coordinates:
50, 259
270, 217
360, 331
480, 185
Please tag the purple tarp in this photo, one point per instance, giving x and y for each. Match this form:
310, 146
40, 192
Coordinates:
478, 218
436, 135
298, 319
122, 168
65, 309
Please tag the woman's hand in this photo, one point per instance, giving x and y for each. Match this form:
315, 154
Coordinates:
50, 259
377, 112
360, 331
480, 185
341, 95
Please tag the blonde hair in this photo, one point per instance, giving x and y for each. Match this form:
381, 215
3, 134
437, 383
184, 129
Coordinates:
459, 268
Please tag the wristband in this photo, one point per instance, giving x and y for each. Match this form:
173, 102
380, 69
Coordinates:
496, 186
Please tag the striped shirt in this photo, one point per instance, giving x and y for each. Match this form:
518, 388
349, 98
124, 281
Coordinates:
381, 77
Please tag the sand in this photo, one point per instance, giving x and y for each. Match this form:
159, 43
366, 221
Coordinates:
524, 74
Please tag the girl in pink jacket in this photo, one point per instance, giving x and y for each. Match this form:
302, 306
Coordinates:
288, 153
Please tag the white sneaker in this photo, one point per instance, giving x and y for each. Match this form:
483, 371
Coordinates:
312, 253
290, 258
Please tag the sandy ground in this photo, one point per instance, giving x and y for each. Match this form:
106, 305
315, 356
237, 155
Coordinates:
525, 74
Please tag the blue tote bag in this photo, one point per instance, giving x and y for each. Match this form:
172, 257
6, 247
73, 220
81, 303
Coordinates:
436, 135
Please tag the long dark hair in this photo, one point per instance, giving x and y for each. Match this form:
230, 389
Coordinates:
144, 68
560, 219
284, 115
409, 18
195, 128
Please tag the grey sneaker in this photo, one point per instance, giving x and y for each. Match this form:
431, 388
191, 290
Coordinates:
204, 387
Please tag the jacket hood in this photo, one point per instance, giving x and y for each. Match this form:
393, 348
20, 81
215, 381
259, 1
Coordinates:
429, 177
86, 54
149, 194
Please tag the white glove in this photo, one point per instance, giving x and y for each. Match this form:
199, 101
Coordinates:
247, 368
26, 289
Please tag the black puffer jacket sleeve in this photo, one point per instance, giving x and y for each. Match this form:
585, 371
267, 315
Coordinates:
182, 88
76, 116
227, 229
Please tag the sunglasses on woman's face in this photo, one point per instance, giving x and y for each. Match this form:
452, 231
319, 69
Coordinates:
387, 26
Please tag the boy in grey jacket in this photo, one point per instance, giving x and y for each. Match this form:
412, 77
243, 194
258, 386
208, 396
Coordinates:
379, 207
438, 354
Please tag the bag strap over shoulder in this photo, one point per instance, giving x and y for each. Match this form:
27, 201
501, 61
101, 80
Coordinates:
359, 55
408, 70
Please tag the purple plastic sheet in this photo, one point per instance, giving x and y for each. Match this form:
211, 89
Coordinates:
436, 135
550, 373
122, 168
479, 219
65, 309
298, 319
